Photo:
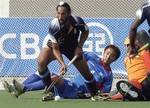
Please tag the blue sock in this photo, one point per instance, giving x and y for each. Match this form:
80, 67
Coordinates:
32, 78
56, 91
38, 85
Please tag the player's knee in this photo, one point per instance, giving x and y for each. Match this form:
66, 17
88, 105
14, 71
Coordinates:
42, 65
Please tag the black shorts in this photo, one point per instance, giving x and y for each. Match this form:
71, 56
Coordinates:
68, 51
146, 87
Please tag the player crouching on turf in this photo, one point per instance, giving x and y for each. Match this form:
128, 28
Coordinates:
137, 88
76, 86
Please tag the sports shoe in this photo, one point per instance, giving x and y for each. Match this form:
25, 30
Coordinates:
99, 97
18, 87
9, 88
128, 90
113, 92
48, 97
83, 95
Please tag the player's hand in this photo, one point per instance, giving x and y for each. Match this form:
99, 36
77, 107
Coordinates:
63, 68
132, 53
78, 52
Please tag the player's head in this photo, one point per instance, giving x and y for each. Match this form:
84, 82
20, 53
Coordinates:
63, 12
127, 44
111, 53
142, 37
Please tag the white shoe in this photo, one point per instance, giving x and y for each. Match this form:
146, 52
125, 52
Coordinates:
127, 89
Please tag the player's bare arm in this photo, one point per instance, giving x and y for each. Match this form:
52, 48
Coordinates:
58, 55
84, 36
133, 31
142, 14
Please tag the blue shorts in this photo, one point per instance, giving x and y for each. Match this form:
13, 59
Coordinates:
69, 90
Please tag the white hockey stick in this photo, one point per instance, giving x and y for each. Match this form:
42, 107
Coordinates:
60, 75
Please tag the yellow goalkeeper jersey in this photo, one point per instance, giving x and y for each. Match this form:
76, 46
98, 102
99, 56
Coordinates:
136, 68
146, 57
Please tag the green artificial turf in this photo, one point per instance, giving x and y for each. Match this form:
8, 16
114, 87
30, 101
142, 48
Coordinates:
33, 100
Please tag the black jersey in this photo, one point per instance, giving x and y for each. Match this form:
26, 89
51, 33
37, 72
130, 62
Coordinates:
67, 37
144, 12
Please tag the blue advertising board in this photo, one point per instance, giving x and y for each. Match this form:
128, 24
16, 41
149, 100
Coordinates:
21, 40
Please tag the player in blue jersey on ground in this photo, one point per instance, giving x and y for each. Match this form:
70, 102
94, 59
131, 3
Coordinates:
76, 87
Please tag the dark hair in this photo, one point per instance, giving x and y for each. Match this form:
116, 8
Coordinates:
64, 4
115, 48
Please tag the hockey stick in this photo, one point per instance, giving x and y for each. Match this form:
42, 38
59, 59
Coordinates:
60, 75
141, 49
144, 46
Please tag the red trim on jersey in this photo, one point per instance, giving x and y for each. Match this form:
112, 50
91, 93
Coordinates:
99, 85
105, 67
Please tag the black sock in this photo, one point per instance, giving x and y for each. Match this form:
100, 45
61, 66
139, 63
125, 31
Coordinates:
46, 78
92, 86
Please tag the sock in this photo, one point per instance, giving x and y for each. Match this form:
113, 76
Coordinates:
56, 91
92, 86
38, 85
46, 77
32, 78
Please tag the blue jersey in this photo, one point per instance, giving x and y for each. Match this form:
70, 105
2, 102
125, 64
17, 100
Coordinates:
102, 75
